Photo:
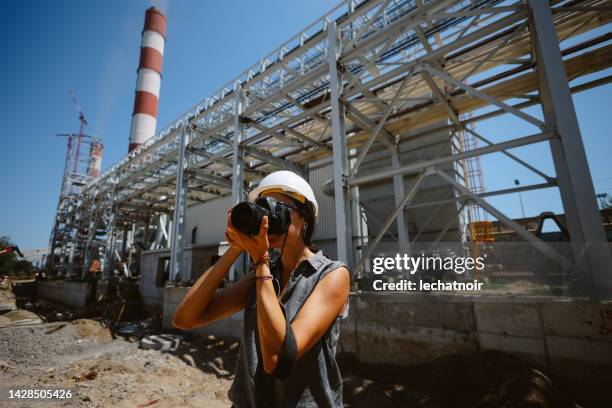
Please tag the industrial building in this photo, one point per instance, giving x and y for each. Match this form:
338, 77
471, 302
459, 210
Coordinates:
376, 104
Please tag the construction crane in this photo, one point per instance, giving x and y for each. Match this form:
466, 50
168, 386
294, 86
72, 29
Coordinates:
83, 124
10, 249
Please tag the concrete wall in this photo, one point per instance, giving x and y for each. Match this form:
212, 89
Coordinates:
152, 295
230, 326
196, 260
202, 257
74, 294
572, 336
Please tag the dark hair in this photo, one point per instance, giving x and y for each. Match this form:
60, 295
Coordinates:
306, 210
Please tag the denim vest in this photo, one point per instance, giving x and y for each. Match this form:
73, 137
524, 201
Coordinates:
315, 380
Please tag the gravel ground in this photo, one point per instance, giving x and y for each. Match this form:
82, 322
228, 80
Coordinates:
102, 371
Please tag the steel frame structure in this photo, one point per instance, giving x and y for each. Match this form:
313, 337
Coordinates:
366, 77
65, 235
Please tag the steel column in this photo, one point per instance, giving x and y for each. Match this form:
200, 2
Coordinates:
574, 178
177, 243
91, 233
110, 234
344, 235
238, 193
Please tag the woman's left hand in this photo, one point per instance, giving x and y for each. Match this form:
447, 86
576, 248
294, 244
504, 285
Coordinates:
255, 246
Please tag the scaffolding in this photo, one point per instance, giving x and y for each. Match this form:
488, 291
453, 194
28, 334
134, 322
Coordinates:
479, 227
81, 166
366, 77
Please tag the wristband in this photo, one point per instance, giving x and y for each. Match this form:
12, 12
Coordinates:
265, 258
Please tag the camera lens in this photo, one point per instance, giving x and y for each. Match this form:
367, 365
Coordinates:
246, 217
278, 214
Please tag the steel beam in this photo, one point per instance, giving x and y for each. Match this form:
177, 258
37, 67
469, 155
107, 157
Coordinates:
540, 245
398, 194
210, 178
486, 97
219, 157
449, 223
266, 157
419, 165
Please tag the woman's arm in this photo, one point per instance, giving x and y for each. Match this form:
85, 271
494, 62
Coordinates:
205, 303
320, 310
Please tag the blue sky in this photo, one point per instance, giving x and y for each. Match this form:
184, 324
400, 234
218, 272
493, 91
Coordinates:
93, 48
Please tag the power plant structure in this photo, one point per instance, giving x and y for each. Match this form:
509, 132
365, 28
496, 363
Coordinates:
81, 166
371, 103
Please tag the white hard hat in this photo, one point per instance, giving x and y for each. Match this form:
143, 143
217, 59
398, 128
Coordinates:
289, 183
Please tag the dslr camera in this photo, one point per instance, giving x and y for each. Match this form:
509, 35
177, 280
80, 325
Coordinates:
246, 216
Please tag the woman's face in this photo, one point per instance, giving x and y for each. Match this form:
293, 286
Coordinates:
298, 223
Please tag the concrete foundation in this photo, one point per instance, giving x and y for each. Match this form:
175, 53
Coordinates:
569, 336
74, 294
572, 336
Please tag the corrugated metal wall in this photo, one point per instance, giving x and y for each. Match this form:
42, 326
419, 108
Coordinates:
211, 220
326, 225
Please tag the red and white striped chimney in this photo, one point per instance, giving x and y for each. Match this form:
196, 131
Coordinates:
144, 117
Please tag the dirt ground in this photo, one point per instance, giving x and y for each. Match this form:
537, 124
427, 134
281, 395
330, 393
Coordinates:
486, 379
104, 370
82, 356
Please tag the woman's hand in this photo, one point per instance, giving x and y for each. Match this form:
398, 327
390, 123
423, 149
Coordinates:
229, 236
255, 246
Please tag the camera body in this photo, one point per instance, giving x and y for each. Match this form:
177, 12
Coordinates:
246, 216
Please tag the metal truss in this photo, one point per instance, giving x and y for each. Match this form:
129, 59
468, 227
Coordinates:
370, 76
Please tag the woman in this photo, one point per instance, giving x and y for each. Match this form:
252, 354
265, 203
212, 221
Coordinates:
292, 306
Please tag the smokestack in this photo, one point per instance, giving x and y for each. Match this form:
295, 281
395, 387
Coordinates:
144, 117
95, 158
